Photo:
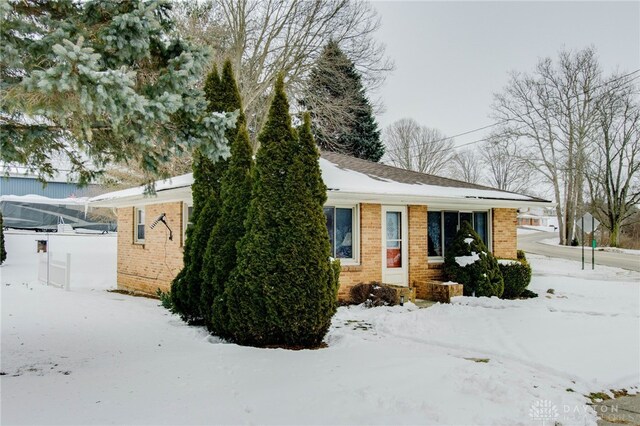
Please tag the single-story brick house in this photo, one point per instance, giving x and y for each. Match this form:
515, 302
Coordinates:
385, 224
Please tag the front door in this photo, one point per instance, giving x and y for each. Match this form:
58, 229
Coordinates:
395, 253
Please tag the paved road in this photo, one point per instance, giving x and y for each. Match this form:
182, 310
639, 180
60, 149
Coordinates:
530, 243
624, 410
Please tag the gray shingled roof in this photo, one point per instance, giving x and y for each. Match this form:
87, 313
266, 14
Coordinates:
383, 171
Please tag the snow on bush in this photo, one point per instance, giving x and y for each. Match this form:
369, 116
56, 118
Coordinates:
471, 264
467, 260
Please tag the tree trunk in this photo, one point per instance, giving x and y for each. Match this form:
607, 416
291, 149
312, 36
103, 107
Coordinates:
614, 235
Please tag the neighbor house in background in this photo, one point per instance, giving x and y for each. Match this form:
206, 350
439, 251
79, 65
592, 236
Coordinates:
385, 224
536, 216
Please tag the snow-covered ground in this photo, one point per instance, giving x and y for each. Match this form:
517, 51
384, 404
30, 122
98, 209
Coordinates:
556, 242
92, 357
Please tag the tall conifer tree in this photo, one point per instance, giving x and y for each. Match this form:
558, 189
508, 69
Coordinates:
105, 81
204, 177
283, 289
222, 95
342, 114
201, 290
221, 255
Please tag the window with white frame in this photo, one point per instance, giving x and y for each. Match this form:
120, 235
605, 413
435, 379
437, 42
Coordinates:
442, 227
138, 228
187, 220
342, 228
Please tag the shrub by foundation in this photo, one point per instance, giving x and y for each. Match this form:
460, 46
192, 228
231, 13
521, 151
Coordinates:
468, 262
516, 275
373, 294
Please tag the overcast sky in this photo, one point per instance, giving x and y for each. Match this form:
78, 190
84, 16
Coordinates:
450, 57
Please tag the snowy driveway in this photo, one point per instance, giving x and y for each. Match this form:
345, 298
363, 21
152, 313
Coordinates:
93, 357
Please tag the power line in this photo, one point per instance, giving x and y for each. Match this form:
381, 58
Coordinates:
506, 120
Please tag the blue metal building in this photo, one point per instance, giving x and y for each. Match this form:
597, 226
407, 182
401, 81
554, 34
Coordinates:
18, 185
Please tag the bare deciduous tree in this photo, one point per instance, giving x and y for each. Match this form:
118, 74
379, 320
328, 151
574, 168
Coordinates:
265, 38
614, 166
551, 115
503, 168
466, 166
418, 148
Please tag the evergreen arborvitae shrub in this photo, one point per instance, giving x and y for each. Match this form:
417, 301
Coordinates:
204, 180
203, 287
3, 252
220, 257
190, 297
284, 288
516, 275
475, 268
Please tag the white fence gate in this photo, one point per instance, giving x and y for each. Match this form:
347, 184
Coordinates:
53, 271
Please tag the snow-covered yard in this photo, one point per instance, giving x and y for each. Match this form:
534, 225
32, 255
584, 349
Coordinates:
92, 357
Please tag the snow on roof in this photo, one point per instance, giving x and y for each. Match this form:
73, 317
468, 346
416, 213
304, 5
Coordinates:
175, 182
343, 179
39, 199
344, 174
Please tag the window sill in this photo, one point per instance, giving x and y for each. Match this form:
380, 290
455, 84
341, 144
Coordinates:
351, 267
435, 260
139, 243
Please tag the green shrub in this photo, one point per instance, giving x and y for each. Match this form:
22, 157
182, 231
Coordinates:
191, 293
467, 261
221, 254
575, 242
218, 251
165, 300
520, 255
528, 294
186, 286
516, 275
283, 290
373, 294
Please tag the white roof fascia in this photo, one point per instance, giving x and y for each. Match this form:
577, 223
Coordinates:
167, 196
433, 202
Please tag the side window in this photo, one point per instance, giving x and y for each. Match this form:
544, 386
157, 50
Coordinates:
138, 228
434, 234
187, 220
480, 224
341, 228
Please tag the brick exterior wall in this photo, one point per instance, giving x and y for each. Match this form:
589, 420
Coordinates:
152, 265
418, 250
146, 267
370, 268
504, 234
